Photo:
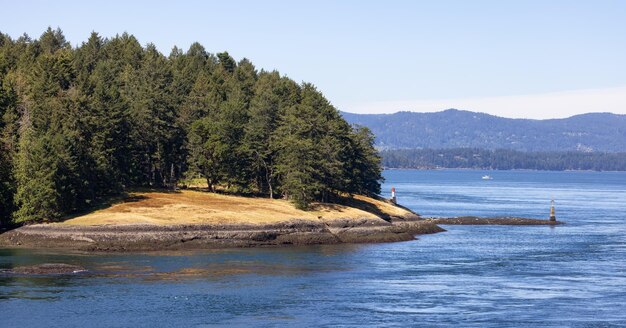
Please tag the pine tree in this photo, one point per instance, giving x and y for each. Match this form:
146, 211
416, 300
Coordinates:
45, 168
231, 122
107, 130
197, 104
296, 164
302, 164
158, 138
52, 40
262, 122
227, 62
8, 128
245, 77
7, 186
207, 151
363, 164
36, 196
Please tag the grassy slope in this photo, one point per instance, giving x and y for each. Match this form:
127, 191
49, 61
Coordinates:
193, 207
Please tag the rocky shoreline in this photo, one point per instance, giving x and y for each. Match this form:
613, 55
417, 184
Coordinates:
121, 238
144, 237
43, 269
474, 220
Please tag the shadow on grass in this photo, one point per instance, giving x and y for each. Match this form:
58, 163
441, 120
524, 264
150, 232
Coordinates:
99, 204
365, 206
326, 206
133, 199
219, 190
125, 197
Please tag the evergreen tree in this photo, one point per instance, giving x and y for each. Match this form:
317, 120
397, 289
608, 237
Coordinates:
245, 79
52, 40
107, 129
296, 164
158, 139
87, 58
364, 163
8, 129
231, 122
262, 122
216, 149
187, 66
304, 161
47, 185
36, 196
198, 103
227, 62
7, 186
207, 151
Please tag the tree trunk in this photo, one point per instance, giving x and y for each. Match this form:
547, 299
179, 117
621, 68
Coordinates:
209, 184
269, 185
268, 179
172, 177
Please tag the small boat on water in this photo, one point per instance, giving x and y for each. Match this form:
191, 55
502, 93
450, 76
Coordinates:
487, 177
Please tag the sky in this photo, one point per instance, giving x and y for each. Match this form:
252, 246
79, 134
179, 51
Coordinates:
522, 59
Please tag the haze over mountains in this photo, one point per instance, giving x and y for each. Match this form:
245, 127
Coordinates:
453, 128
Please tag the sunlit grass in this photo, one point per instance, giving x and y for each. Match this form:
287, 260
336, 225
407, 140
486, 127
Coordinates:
196, 207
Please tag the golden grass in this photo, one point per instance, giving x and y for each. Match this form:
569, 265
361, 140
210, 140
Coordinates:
194, 207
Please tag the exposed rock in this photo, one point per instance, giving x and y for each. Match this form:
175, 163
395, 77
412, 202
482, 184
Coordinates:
474, 220
175, 237
142, 237
45, 269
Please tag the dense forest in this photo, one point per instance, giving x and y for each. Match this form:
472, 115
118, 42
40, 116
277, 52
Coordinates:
503, 159
80, 124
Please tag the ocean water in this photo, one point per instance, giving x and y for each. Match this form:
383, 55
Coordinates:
572, 275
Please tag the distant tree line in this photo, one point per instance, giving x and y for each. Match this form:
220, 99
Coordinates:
503, 159
79, 124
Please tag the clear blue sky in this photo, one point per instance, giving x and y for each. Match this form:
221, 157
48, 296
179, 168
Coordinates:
368, 56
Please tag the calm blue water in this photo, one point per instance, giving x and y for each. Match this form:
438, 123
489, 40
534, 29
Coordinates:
571, 275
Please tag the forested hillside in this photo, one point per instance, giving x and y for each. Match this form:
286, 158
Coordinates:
503, 159
452, 128
83, 123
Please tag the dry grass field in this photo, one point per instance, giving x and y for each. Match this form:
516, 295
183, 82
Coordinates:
195, 207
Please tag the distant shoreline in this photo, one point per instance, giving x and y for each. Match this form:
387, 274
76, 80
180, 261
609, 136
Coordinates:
493, 170
503, 159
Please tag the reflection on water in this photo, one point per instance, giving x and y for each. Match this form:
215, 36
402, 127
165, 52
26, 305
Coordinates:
572, 275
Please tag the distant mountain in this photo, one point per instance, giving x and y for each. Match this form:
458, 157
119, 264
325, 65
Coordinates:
462, 129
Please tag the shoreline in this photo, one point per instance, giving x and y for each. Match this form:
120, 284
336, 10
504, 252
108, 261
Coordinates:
156, 220
146, 237
490, 170
475, 220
